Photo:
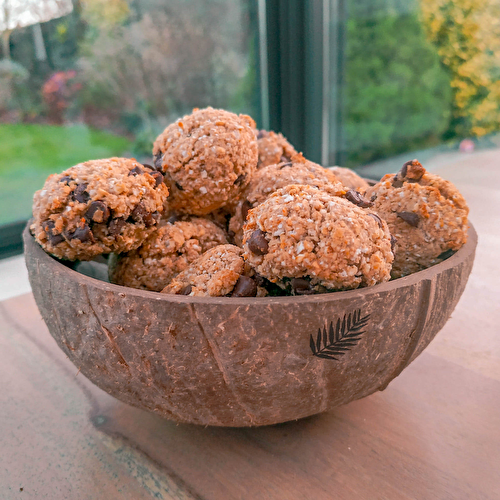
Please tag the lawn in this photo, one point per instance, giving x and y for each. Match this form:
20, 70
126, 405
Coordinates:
29, 153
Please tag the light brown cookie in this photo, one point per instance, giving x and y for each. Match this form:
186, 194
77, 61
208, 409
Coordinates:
165, 253
273, 148
426, 214
327, 242
349, 178
218, 272
98, 207
208, 158
269, 179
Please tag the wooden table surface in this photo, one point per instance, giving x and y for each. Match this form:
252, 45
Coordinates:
434, 433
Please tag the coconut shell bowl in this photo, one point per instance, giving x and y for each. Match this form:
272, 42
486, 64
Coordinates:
243, 361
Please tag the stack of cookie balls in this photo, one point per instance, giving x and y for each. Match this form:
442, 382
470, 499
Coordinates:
227, 210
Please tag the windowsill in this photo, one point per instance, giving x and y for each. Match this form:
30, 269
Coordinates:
13, 277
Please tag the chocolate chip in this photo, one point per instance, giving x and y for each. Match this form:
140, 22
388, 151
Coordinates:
396, 182
301, 286
98, 211
136, 171
373, 197
66, 179
245, 207
257, 244
409, 217
245, 287
412, 170
147, 165
446, 254
79, 194
48, 225
356, 198
178, 186
261, 134
288, 164
378, 219
141, 214
54, 239
116, 225
393, 243
158, 177
240, 180
83, 234
404, 169
157, 161
186, 290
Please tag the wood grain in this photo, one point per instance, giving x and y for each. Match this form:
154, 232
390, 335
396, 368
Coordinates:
434, 433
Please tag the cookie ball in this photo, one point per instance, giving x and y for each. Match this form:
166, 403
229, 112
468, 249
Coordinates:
218, 272
208, 158
349, 178
165, 253
323, 241
98, 207
273, 148
426, 214
269, 179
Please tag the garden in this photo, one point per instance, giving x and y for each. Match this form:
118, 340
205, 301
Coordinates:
108, 77
104, 77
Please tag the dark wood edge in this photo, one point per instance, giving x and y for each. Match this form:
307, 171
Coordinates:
35, 250
11, 242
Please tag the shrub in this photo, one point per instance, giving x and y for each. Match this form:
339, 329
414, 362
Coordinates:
396, 94
466, 34
166, 63
12, 74
58, 93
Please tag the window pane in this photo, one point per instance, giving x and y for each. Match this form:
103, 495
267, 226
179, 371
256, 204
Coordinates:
98, 78
416, 78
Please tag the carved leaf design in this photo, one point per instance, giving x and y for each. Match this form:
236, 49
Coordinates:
339, 337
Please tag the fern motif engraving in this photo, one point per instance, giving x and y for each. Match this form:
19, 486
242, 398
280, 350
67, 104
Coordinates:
339, 338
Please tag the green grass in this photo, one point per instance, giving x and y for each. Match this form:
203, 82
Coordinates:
29, 153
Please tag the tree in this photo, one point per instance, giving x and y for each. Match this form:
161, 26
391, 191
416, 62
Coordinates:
105, 14
467, 36
396, 94
145, 69
19, 13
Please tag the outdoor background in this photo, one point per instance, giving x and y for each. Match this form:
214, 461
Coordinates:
84, 79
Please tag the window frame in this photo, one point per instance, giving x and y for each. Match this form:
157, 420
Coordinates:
11, 238
305, 43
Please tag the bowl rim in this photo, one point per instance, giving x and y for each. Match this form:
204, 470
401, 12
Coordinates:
34, 248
